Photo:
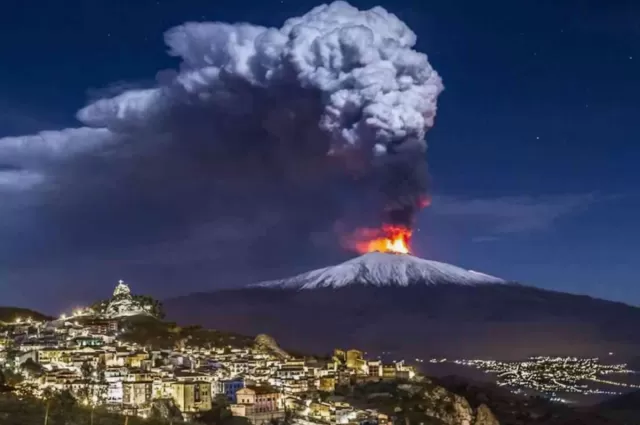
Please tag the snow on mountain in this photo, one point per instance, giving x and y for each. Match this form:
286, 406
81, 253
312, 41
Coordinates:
383, 269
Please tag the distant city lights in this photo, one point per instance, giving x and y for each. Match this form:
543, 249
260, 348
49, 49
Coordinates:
555, 375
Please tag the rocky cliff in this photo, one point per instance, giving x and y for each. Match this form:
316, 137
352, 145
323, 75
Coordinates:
267, 343
451, 408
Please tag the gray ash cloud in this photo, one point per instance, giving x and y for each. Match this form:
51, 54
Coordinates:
298, 127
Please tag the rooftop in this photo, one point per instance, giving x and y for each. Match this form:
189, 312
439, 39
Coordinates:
262, 389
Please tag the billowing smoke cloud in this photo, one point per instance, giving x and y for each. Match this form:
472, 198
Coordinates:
322, 119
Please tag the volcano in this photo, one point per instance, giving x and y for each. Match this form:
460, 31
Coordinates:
383, 269
384, 302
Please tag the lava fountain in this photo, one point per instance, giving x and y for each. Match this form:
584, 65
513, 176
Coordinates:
389, 238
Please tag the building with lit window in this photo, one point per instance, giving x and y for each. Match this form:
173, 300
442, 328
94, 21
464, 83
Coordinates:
259, 404
229, 387
192, 397
137, 393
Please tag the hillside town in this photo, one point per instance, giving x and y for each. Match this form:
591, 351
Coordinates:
91, 354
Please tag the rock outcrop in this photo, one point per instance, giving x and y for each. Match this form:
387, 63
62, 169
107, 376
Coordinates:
453, 409
122, 303
450, 408
484, 416
267, 343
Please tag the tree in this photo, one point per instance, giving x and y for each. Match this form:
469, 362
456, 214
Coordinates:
10, 378
219, 412
4, 386
32, 368
155, 307
154, 334
11, 350
87, 370
100, 392
90, 392
286, 420
62, 405
100, 307
102, 367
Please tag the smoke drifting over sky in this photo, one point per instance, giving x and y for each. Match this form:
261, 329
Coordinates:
261, 143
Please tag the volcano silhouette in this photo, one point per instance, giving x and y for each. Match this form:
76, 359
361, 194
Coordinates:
414, 307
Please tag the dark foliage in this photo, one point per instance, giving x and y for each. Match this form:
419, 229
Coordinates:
62, 409
10, 314
31, 367
220, 414
156, 306
158, 334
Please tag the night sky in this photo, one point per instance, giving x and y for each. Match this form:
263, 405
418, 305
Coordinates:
533, 158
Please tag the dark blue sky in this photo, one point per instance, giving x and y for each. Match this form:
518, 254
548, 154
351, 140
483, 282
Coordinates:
534, 155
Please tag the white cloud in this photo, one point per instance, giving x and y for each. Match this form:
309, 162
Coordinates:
38, 150
19, 180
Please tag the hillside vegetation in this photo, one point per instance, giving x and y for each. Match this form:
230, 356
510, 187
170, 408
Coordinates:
10, 314
158, 334
63, 411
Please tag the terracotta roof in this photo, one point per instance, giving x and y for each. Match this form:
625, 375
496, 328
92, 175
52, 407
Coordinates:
263, 389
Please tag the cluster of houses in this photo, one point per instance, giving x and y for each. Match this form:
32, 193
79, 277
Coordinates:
259, 383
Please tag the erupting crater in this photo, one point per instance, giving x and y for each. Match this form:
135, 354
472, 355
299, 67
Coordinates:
390, 239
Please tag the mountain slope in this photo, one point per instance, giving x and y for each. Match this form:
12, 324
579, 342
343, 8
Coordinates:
624, 409
428, 312
382, 269
10, 314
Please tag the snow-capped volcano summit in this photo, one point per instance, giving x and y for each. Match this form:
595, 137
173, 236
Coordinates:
383, 269
414, 308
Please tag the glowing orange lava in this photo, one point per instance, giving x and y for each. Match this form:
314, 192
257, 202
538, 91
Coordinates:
389, 238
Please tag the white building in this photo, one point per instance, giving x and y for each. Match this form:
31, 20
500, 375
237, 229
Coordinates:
114, 378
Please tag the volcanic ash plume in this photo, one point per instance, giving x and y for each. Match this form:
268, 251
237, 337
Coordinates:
375, 94
253, 106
